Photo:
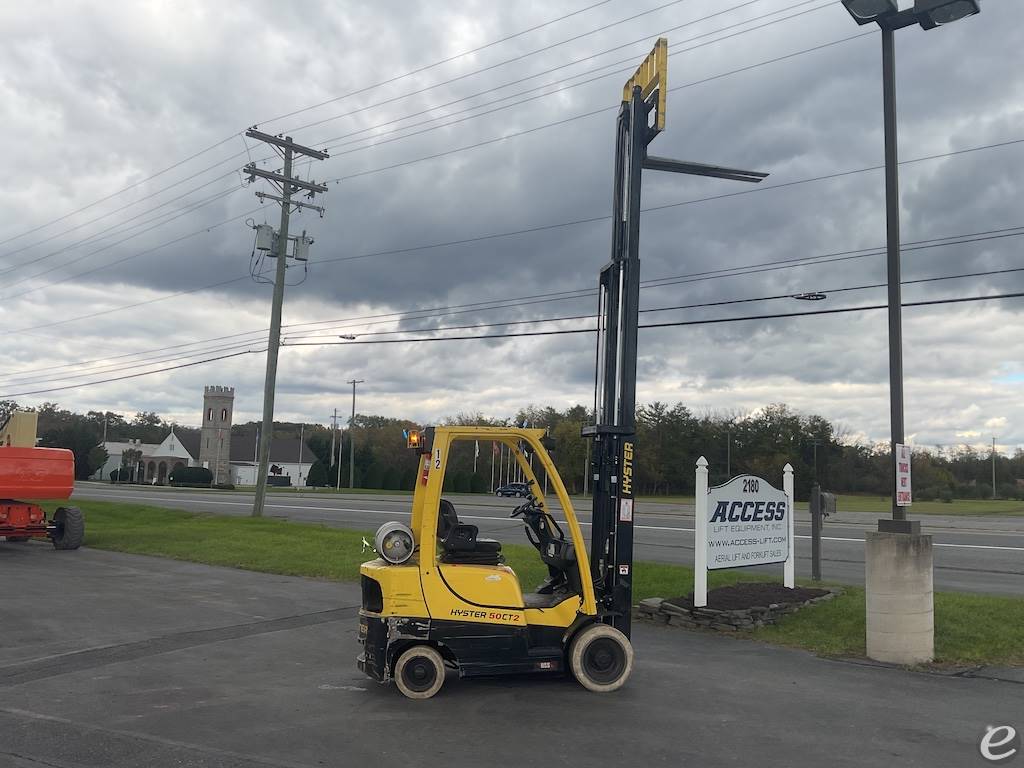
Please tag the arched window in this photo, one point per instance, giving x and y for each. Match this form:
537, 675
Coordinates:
223, 414
209, 414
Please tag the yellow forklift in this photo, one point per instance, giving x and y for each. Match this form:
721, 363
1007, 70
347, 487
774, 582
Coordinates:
439, 596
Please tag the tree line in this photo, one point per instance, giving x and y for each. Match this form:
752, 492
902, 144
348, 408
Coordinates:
670, 438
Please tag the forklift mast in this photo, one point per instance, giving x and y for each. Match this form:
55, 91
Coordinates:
614, 430
613, 458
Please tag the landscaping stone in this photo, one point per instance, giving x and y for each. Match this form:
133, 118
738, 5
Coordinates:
732, 614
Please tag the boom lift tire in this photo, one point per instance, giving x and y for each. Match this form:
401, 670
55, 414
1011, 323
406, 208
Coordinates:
601, 658
70, 528
419, 672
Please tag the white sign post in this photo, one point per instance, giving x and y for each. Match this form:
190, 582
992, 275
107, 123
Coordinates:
904, 495
789, 569
744, 522
700, 527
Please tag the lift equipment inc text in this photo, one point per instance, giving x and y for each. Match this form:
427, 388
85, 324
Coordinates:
747, 524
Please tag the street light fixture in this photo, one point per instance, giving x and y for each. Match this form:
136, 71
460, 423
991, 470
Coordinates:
886, 13
866, 11
933, 13
928, 13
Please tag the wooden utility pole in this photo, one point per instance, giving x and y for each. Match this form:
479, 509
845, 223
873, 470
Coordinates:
288, 185
352, 436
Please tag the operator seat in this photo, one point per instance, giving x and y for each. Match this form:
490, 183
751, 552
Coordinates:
460, 543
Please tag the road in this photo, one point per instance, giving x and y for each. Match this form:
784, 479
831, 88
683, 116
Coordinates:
110, 660
972, 554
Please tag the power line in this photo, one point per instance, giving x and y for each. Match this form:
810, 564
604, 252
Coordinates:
645, 40
672, 324
524, 334
418, 70
488, 68
132, 256
448, 310
21, 380
263, 160
367, 88
548, 226
232, 136
561, 87
192, 208
701, 305
144, 373
131, 186
130, 205
99, 235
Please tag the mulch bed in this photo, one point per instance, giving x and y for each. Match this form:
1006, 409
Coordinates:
745, 595
742, 606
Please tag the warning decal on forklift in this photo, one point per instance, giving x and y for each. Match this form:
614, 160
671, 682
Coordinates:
623, 570
626, 510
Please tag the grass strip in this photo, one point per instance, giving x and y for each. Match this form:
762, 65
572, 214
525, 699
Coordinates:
969, 629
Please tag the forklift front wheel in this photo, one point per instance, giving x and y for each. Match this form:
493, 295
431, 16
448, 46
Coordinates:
601, 658
419, 673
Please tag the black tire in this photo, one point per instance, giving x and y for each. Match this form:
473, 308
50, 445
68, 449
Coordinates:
419, 672
70, 528
601, 658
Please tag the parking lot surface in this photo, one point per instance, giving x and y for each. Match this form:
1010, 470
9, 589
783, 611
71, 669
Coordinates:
111, 660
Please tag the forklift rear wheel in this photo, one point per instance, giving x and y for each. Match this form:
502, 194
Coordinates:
601, 658
70, 528
419, 673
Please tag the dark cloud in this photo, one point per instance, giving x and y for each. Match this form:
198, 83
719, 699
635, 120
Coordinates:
109, 96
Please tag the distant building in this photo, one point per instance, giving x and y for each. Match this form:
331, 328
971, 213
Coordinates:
157, 461
215, 442
230, 459
285, 459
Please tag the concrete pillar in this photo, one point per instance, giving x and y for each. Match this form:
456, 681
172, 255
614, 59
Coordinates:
900, 606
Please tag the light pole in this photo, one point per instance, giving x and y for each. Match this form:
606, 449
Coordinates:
886, 13
993, 467
352, 436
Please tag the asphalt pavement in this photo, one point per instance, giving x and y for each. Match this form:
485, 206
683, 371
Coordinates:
972, 554
110, 660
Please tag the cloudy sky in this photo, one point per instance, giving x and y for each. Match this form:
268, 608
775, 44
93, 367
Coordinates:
124, 217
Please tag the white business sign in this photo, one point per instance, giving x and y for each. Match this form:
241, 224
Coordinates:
748, 524
904, 496
744, 522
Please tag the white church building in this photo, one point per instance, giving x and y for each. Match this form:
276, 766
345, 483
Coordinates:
232, 458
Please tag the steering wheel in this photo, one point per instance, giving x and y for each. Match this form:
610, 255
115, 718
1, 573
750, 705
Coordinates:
530, 505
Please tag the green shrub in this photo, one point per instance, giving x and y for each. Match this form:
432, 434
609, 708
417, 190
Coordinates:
190, 476
374, 477
946, 496
317, 477
392, 479
1010, 491
477, 484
